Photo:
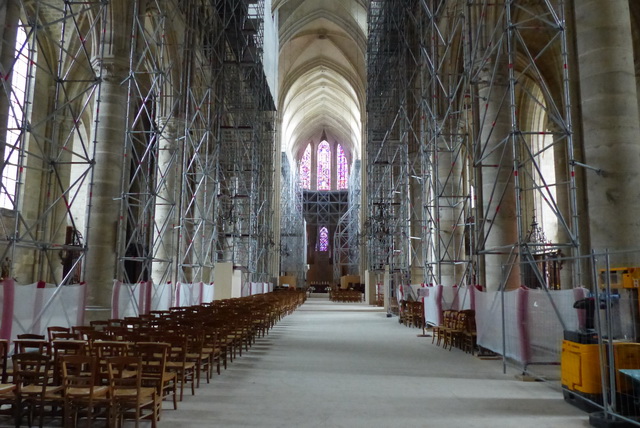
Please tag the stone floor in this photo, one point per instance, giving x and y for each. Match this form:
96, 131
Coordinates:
348, 365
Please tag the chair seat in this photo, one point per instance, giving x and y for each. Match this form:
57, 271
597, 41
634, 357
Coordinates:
98, 391
187, 365
145, 392
6, 387
50, 391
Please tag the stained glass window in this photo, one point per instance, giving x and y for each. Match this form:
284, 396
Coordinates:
305, 168
323, 239
324, 166
12, 148
343, 169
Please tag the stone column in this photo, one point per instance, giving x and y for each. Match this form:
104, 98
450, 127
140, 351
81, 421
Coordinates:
498, 192
451, 216
59, 182
109, 127
610, 123
164, 251
416, 188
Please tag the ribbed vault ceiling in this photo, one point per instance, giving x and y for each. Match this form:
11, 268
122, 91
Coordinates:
322, 72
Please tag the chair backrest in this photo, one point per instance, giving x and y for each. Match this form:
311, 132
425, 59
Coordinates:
64, 335
104, 349
31, 336
153, 357
177, 351
99, 324
4, 357
63, 347
82, 330
125, 373
56, 329
79, 374
39, 346
33, 370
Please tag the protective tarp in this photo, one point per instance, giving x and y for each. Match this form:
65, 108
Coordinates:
161, 297
441, 298
208, 293
131, 300
246, 289
32, 308
257, 288
548, 315
189, 294
534, 322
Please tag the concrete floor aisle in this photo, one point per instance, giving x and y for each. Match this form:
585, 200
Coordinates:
347, 365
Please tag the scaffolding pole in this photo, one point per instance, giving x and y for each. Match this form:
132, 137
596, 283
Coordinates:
470, 100
48, 153
346, 254
292, 226
522, 139
247, 136
387, 217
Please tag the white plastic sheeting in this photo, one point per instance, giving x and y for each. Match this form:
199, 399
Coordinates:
441, 298
208, 293
32, 308
161, 297
191, 294
408, 292
246, 289
534, 322
131, 300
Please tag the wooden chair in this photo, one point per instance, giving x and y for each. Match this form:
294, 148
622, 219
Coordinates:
99, 325
197, 355
82, 389
9, 397
62, 347
154, 370
30, 336
470, 334
125, 379
58, 335
438, 332
83, 331
31, 374
4, 359
105, 349
56, 329
212, 346
177, 362
40, 346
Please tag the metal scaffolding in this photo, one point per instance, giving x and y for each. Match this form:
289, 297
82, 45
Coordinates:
198, 168
346, 251
292, 226
387, 226
482, 135
445, 140
157, 79
246, 156
59, 43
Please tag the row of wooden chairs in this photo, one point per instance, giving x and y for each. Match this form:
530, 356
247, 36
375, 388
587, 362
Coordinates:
169, 349
412, 314
458, 329
345, 296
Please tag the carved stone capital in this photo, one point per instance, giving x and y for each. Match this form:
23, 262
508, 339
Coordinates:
112, 70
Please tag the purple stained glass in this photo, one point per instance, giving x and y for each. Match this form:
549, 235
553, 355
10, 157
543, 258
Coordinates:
324, 166
305, 168
343, 169
323, 239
